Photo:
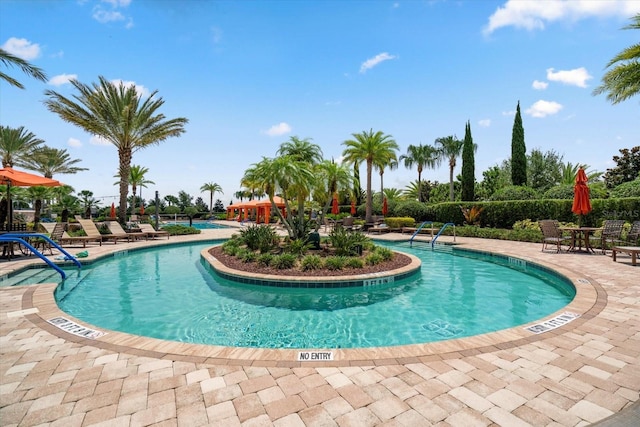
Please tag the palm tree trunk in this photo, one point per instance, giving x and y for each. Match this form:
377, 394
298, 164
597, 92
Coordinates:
451, 184
369, 204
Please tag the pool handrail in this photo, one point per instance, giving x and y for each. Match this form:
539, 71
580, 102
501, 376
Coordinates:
19, 238
415, 233
433, 241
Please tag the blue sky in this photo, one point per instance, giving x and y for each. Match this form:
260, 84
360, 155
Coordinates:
250, 74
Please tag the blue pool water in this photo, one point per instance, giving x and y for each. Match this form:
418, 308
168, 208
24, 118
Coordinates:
201, 225
170, 293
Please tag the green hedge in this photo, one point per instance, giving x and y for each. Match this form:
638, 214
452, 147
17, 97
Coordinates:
504, 214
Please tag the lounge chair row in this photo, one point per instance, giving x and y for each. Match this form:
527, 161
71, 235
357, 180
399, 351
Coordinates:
59, 235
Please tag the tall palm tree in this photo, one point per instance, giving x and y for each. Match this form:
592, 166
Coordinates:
392, 165
119, 115
16, 144
623, 80
212, 188
37, 194
373, 148
332, 178
450, 148
49, 161
8, 59
136, 179
301, 150
422, 156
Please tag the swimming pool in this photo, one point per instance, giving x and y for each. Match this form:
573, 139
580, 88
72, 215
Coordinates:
172, 294
201, 225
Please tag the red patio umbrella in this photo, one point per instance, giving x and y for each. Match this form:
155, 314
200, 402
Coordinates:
141, 209
385, 208
112, 213
334, 206
353, 207
581, 201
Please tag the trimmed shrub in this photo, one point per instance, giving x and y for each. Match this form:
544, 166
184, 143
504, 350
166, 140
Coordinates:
399, 222
627, 189
311, 262
515, 192
335, 262
413, 209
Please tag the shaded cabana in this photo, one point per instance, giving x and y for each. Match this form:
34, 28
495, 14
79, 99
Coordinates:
258, 209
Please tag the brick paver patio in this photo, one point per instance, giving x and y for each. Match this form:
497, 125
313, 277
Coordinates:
578, 374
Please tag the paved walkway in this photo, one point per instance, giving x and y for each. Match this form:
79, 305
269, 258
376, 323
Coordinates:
578, 374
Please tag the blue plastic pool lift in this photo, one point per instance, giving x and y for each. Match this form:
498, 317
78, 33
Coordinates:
433, 241
19, 237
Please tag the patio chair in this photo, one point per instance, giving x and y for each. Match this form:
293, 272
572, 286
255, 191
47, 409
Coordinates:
328, 222
91, 230
58, 234
152, 232
551, 234
633, 236
611, 232
116, 230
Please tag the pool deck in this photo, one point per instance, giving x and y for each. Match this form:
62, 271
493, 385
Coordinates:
583, 372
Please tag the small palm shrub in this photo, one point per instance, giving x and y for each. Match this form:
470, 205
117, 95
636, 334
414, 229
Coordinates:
335, 262
261, 238
385, 253
311, 262
354, 262
297, 247
284, 261
264, 260
373, 258
246, 255
344, 241
231, 247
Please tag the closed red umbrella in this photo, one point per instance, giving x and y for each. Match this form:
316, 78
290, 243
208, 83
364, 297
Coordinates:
581, 201
385, 208
141, 209
334, 206
353, 207
112, 213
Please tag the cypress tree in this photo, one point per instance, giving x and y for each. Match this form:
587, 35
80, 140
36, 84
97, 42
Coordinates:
468, 166
518, 152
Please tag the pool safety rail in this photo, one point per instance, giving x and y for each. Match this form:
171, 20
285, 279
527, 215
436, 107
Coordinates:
20, 238
434, 238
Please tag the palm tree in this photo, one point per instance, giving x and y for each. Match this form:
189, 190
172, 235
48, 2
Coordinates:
88, 201
623, 80
332, 178
37, 194
450, 148
16, 144
422, 156
212, 188
373, 149
49, 161
119, 115
8, 59
301, 150
136, 179
392, 165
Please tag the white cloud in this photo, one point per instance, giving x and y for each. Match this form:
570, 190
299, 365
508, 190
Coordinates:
140, 90
576, 77
485, 123
543, 108
22, 48
535, 14
279, 129
372, 62
538, 85
62, 79
98, 140
72, 142
216, 35
104, 16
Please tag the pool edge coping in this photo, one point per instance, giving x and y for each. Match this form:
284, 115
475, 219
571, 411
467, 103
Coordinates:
590, 299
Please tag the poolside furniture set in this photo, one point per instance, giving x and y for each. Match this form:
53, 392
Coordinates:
609, 236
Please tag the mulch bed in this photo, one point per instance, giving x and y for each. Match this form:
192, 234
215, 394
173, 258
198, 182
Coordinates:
399, 260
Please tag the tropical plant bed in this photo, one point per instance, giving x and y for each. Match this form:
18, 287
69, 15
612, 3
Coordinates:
259, 249
398, 260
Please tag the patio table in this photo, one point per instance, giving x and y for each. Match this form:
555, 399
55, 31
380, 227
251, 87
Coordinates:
578, 236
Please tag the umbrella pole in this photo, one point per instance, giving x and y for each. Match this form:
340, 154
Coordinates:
9, 207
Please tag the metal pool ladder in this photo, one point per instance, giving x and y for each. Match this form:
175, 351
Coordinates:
19, 238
